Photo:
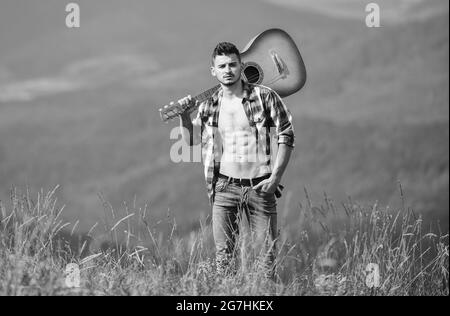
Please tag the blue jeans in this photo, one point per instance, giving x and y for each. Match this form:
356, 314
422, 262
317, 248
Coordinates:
232, 202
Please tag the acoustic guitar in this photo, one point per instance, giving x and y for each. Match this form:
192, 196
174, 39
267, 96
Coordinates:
271, 59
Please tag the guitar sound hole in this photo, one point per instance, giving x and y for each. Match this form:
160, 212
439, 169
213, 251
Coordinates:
252, 73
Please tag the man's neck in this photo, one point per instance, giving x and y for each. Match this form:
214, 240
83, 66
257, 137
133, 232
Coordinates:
234, 91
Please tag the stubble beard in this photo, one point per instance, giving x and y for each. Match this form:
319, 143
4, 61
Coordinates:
229, 84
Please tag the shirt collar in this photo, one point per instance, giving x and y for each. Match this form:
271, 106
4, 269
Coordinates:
248, 91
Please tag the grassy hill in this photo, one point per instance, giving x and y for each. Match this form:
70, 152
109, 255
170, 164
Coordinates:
78, 107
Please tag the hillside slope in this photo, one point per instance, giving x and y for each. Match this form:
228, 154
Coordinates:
79, 107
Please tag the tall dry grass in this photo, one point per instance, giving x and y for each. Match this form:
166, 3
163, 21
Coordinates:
326, 251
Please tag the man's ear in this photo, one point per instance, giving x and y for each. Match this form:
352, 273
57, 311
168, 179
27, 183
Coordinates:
213, 71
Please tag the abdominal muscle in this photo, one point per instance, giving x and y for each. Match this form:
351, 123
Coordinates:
240, 157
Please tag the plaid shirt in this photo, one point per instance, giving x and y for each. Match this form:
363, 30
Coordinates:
264, 109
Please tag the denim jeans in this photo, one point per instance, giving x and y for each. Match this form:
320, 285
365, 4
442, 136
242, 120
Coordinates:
233, 202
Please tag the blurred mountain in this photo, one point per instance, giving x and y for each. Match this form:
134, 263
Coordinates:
78, 107
391, 12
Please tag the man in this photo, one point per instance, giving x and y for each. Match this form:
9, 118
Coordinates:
236, 149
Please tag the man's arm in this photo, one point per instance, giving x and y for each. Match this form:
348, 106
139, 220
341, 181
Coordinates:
281, 161
187, 129
282, 120
186, 126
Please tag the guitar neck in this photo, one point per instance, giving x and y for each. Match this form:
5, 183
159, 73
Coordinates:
206, 94
171, 111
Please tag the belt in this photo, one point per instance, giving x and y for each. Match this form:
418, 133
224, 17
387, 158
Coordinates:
243, 181
251, 182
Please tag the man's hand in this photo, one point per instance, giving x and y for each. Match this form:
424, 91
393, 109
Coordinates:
271, 185
267, 186
183, 104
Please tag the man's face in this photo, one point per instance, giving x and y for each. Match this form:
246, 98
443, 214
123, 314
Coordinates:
227, 69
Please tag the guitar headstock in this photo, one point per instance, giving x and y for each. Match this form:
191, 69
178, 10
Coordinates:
171, 111
168, 112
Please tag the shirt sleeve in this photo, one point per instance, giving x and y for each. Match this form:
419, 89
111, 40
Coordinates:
197, 121
281, 118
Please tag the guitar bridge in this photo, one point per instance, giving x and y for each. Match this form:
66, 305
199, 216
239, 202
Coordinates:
281, 66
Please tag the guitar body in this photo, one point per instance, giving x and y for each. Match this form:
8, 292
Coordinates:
272, 59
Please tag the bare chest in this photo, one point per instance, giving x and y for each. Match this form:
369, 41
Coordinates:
232, 115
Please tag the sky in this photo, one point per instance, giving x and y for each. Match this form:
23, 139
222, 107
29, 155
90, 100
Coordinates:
91, 73
390, 11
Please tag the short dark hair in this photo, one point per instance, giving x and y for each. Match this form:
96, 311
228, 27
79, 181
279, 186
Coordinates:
225, 48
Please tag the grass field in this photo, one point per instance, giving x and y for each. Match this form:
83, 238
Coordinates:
326, 252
